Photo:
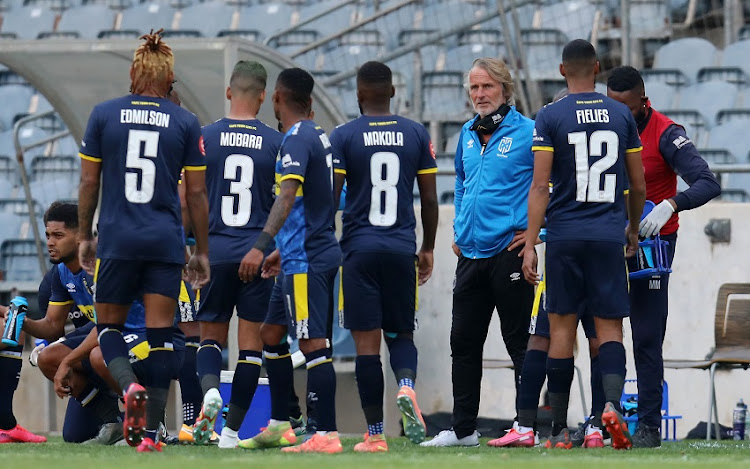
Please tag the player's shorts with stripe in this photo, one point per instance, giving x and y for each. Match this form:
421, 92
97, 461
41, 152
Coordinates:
539, 324
225, 290
588, 276
379, 291
188, 302
308, 299
138, 350
122, 281
76, 337
276, 313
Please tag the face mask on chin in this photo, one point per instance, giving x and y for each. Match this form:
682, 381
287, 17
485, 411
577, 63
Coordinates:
488, 124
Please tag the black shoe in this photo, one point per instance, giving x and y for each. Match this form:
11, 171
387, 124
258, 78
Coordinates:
646, 437
580, 434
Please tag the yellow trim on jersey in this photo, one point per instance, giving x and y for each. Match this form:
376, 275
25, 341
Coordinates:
60, 303
427, 171
292, 176
194, 168
89, 158
633, 150
301, 309
540, 148
96, 270
339, 171
141, 350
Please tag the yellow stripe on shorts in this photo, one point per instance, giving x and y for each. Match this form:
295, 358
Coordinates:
184, 296
96, 270
341, 290
140, 351
537, 299
301, 310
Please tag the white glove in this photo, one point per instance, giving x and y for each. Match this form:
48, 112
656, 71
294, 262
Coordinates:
34, 356
654, 221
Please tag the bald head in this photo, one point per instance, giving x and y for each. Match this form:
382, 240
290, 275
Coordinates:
248, 78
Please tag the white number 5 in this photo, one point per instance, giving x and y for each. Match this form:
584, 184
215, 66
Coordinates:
134, 160
588, 180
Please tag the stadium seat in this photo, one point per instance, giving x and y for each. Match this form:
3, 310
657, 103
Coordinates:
543, 49
708, 98
65, 168
574, 18
667, 76
27, 135
126, 34
355, 48
294, 40
443, 95
725, 136
341, 17
269, 18
452, 143
649, 18
208, 18
692, 121
734, 75
8, 171
27, 22
249, 34
146, 16
15, 99
86, 21
9, 225
736, 55
688, 55
734, 195
661, 96
472, 44
19, 261
393, 23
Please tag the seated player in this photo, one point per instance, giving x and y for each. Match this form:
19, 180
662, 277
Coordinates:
380, 155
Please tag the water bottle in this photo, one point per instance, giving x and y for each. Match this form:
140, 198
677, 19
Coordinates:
14, 322
738, 420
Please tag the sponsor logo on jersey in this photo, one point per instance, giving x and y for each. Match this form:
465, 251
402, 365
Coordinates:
504, 146
680, 142
287, 161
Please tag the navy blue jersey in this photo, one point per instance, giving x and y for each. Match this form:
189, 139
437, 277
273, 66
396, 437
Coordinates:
589, 134
381, 157
68, 288
306, 241
240, 169
142, 143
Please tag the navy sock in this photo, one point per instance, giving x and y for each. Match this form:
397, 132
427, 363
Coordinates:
559, 379
101, 402
10, 373
533, 374
369, 374
321, 388
208, 364
243, 386
280, 379
190, 386
597, 390
115, 354
161, 368
403, 354
612, 366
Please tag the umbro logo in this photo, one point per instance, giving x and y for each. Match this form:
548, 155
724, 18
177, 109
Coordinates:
515, 276
71, 287
470, 144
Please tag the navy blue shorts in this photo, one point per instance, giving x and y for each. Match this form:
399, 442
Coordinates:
539, 324
588, 276
80, 424
76, 337
380, 291
276, 314
309, 302
225, 290
138, 350
120, 281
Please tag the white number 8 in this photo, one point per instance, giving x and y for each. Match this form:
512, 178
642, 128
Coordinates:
383, 213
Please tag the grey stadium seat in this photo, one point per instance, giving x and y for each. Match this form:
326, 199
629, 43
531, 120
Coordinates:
662, 96
443, 95
693, 122
294, 40
86, 21
726, 136
729, 115
667, 76
18, 259
9, 225
28, 22
734, 75
708, 98
649, 18
268, 18
575, 19
208, 18
737, 54
543, 49
15, 99
147, 16
688, 55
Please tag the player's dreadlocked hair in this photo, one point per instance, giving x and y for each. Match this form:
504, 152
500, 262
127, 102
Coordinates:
152, 62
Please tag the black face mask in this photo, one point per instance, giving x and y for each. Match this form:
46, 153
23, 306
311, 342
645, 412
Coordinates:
488, 124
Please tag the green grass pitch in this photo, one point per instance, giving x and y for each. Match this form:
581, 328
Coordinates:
59, 455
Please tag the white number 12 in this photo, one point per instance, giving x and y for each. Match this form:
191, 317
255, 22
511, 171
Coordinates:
588, 180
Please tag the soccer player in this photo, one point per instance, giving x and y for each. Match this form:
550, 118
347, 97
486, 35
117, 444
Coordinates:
667, 151
302, 216
240, 158
588, 146
139, 144
379, 155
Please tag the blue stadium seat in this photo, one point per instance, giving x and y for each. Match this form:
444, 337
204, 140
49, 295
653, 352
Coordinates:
736, 55
27, 135
733, 75
146, 16
543, 52
667, 76
15, 99
28, 22
574, 18
443, 95
729, 115
688, 55
8, 174
391, 24
725, 136
341, 17
708, 98
9, 225
472, 44
294, 40
662, 96
269, 18
86, 21
734, 195
249, 34
208, 18
693, 122
18, 260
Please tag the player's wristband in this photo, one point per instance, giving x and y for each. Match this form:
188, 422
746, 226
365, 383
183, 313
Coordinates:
264, 240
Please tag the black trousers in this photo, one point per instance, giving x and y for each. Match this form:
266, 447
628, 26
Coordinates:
648, 320
481, 286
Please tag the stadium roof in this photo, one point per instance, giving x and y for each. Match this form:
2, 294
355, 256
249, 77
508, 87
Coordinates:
75, 75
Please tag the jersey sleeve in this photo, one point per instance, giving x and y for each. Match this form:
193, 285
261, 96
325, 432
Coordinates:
195, 151
45, 290
541, 138
634, 140
91, 143
427, 163
59, 293
295, 153
337, 151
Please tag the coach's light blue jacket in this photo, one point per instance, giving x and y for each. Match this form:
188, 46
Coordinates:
492, 186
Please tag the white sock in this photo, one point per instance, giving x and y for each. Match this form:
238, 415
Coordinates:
524, 429
228, 432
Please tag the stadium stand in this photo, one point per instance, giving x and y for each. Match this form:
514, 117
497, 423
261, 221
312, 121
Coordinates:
146, 16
